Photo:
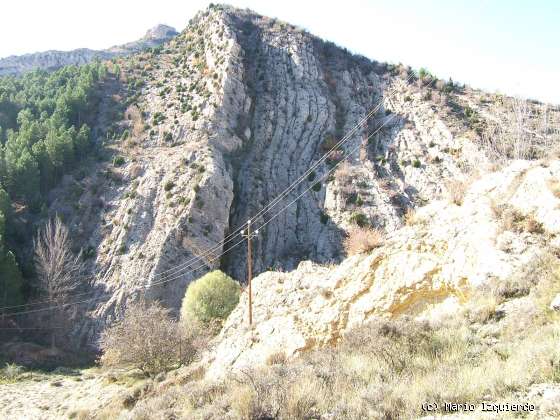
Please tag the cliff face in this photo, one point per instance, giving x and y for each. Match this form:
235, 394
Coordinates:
52, 60
232, 112
427, 269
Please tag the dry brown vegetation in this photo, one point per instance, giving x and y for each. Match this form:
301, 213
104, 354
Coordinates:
521, 130
134, 115
343, 173
59, 275
408, 363
513, 220
456, 191
362, 239
148, 339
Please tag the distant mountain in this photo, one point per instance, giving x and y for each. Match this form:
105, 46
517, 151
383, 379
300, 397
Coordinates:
52, 60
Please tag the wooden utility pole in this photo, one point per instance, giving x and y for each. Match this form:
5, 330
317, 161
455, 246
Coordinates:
249, 272
249, 235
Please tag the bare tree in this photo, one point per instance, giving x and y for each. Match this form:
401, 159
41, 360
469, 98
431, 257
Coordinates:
521, 131
149, 339
58, 269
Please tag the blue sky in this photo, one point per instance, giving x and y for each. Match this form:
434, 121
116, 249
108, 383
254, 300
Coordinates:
508, 46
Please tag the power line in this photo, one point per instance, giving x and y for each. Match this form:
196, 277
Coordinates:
235, 232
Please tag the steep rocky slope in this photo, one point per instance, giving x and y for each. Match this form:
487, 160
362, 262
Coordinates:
430, 268
51, 60
229, 114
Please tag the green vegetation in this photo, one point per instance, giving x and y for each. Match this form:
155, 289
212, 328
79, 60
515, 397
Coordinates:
168, 185
211, 297
359, 219
44, 132
118, 160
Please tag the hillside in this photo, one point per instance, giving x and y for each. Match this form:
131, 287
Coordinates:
232, 112
52, 60
242, 117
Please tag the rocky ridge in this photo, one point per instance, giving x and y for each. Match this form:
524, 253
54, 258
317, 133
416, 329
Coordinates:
230, 113
52, 60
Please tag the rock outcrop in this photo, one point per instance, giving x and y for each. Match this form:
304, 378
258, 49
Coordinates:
427, 269
227, 116
52, 60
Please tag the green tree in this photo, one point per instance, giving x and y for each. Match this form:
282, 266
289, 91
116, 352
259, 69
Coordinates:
22, 173
82, 142
11, 282
211, 297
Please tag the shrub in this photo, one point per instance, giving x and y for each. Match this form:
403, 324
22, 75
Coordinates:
513, 220
456, 191
416, 163
362, 239
532, 225
146, 338
11, 372
344, 173
168, 185
211, 297
118, 161
359, 219
328, 143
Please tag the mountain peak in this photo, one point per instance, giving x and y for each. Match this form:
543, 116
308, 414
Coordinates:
160, 32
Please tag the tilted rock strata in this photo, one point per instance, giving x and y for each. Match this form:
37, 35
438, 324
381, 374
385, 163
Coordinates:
430, 267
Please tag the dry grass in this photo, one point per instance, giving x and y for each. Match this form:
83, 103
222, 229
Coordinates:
410, 217
532, 225
362, 239
388, 368
513, 220
456, 191
387, 377
278, 358
343, 173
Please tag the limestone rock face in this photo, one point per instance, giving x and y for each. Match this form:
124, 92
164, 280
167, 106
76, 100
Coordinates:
429, 267
226, 116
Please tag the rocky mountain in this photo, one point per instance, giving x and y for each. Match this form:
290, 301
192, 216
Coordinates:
234, 110
51, 60
245, 117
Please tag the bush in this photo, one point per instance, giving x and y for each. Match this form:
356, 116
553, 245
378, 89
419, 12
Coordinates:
118, 160
456, 192
168, 185
11, 372
359, 219
147, 339
362, 239
211, 297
